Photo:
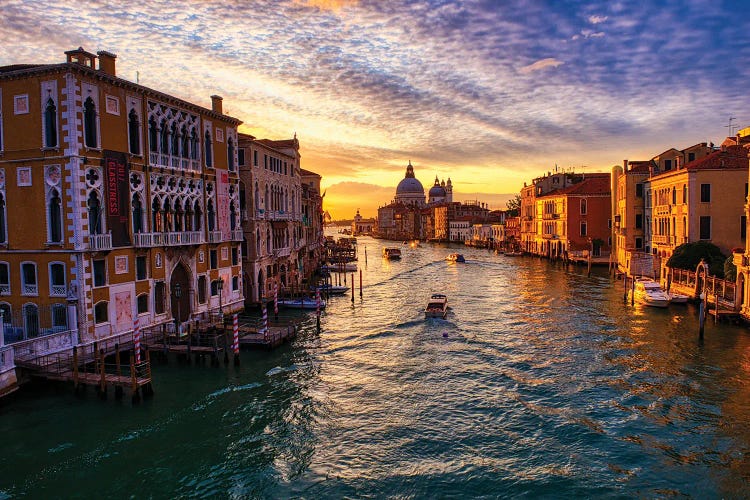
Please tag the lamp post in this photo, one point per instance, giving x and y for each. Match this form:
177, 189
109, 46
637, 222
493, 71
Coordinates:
177, 289
220, 282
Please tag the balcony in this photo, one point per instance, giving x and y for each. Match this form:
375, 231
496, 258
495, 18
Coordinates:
100, 242
148, 240
237, 235
661, 239
214, 237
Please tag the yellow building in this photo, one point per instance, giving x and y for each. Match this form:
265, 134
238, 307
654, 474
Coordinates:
629, 222
700, 201
117, 201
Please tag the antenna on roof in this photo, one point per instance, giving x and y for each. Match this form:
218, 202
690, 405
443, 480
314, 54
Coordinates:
730, 126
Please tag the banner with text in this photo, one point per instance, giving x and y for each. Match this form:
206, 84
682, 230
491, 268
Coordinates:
117, 193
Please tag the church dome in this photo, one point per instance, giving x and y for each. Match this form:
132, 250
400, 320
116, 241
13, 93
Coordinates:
409, 184
437, 191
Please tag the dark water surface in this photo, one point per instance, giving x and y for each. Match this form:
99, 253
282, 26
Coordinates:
540, 382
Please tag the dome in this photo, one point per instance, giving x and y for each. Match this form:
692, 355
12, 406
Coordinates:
437, 190
409, 184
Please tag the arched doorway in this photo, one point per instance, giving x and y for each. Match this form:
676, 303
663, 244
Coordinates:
180, 292
700, 278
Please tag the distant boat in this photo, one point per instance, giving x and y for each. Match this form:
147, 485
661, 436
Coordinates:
514, 254
333, 289
455, 257
391, 253
437, 307
340, 267
301, 303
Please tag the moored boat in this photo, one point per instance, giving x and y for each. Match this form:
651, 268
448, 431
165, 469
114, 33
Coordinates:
391, 253
677, 298
340, 267
302, 303
649, 293
333, 289
437, 307
455, 257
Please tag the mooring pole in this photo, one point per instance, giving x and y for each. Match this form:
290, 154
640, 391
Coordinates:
701, 315
352, 288
360, 283
632, 291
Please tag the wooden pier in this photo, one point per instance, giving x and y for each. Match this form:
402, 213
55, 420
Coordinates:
253, 338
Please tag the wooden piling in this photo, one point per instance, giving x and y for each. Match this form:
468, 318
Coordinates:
103, 378
352, 288
75, 368
632, 290
360, 284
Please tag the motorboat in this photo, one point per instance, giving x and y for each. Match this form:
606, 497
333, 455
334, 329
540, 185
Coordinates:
455, 257
514, 254
333, 289
649, 293
677, 298
301, 303
340, 267
391, 253
437, 307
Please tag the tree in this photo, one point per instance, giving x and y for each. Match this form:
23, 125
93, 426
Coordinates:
514, 206
689, 255
730, 270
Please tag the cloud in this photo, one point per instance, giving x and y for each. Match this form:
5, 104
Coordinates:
540, 65
597, 19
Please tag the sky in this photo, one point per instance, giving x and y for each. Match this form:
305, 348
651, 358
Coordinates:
489, 93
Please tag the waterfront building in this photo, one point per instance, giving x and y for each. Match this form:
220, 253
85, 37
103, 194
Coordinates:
702, 200
312, 225
459, 229
575, 218
137, 196
512, 232
362, 226
629, 225
272, 215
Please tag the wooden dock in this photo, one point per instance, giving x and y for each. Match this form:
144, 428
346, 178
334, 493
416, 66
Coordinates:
276, 335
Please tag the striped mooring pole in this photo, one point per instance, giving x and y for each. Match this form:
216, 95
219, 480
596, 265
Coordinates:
236, 339
317, 307
264, 326
137, 340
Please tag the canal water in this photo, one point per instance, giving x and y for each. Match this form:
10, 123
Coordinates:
541, 382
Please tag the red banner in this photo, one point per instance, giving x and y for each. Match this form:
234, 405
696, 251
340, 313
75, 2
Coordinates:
117, 194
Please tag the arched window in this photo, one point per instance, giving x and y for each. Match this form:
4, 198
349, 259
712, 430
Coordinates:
185, 142
50, 124
57, 285
583, 206
257, 196
232, 216
198, 217
189, 220
142, 303
153, 136
684, 193
7, 317
137, 214
257, 241
178, 214
156, 220
193, 145
674, 195
28, 279
134, 133
175, 140
209, 151
265, 200
168, 217
101, 312
89, 123
268, 240
164, 137
55, 217
95, 213
3, 225
211, 215
230, 154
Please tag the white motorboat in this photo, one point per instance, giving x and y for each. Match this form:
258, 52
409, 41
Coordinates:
437, 307
649, 293
301, 303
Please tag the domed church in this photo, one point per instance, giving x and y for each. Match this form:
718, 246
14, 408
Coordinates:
410, 191
441, 192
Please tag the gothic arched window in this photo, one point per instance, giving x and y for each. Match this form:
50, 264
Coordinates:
153, 136
198, 216
211, 215
137, 214
209, 151
230, 154
3, 219
55, 217
95, 213
89, 123
50, 124
164, 139
134, 133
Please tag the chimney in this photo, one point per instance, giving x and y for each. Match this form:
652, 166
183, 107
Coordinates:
624, 165
107, 62
216, 104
